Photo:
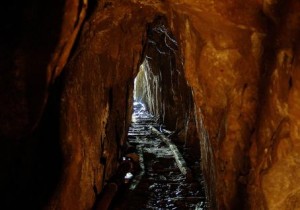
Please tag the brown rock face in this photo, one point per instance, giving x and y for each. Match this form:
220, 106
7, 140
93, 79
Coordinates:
96, 102
275, 149
229, 83
222, 65
34, 36
33, 43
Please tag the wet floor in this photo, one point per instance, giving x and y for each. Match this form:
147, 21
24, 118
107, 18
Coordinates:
164, 179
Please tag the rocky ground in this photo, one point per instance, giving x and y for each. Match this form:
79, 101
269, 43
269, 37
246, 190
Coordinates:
165, 179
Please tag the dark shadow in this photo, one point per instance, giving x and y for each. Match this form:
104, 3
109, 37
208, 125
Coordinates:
31, 168
29, 33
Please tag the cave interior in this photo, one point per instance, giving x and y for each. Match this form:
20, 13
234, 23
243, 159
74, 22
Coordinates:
218, 78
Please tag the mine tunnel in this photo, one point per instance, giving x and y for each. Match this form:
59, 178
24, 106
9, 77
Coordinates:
212, 86
160, 167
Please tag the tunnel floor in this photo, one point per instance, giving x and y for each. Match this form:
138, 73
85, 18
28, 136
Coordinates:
162, 181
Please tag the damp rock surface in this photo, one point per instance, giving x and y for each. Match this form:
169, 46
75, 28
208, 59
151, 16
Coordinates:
160, 184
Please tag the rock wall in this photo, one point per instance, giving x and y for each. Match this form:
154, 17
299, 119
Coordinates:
273, 181
34, 41
222, 54
241, 62
35, 38
96, 102
162, 86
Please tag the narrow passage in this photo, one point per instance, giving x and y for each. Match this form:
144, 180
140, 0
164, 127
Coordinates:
164, 180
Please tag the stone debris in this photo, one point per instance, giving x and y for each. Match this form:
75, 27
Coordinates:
162, 182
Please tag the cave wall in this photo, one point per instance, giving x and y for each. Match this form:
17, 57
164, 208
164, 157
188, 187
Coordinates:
96, 102
33, 42
273, 180
35, 38
161, 85
222, 55
240, 60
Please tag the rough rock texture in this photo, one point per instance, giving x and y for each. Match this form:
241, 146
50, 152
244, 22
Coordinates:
96, 102
161, 83
222, 54
35, 40
240, 58
274, 177
34, 47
